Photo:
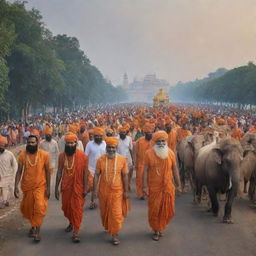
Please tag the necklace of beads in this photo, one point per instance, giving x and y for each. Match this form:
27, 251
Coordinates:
72, 164
36, 159
106, 170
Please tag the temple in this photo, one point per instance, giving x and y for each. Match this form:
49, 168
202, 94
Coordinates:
143, 90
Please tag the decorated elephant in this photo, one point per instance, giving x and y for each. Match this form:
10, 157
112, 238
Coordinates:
217, 166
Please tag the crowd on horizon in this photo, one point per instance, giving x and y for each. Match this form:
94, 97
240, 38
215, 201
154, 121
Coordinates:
17, 131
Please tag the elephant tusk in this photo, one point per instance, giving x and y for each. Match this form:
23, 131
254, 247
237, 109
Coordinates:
230, 183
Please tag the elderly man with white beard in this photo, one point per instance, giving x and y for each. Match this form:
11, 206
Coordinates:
159, 171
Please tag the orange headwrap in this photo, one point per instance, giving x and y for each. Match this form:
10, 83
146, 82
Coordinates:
123, 129
73, 128
90, 131
70, 137
47, 130
109, 130
98, 131
220, 121
231, 121
159, 135
82, 124
112, 141
35, 132
148, 127
3, 141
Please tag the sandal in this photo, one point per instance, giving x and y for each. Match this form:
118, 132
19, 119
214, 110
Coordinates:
92, 206
37, 238
115, 241
75, 238
32, 232
69, 228
156, 236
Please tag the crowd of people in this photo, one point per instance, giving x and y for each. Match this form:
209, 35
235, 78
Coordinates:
96, 151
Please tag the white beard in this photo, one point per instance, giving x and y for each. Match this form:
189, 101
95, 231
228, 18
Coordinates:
161, 152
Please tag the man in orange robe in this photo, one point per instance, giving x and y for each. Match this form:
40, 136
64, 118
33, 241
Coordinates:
172, 138
141, 146
34, 168
83, 135
73, 172
253, 128
112, 170
183, 132
236, 132
160, 169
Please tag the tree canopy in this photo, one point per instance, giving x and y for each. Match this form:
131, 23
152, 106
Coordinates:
189, 91
235, 86
38, 69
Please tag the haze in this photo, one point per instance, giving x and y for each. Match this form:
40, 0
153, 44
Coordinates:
176, 39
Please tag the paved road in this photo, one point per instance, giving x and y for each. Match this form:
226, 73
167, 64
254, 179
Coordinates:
192, 232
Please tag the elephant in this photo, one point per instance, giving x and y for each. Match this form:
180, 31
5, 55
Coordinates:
249, 140
187, 152
217, 167
248, 165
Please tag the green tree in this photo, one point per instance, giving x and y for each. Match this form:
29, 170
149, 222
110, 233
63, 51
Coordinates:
34, 67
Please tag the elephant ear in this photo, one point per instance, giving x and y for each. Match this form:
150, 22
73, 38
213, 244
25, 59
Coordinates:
218, 155
191, 145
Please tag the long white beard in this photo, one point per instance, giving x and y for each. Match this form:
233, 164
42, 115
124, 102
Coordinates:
161, 152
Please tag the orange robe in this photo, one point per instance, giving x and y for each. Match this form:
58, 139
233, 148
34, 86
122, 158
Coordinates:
172, 138
182, 134
161, 189
253, 130
72, 187
237, 134
142, 146
33, 184
84, 137
113, 207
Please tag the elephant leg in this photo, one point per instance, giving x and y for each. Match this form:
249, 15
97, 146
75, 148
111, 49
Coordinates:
214, 201
182, 177
193, 186
228, 207
191, 180
245, 186
198, 192
251, 191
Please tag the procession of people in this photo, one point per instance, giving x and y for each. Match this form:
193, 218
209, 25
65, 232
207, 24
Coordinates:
94, 153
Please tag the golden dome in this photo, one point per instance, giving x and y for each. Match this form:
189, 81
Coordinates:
161, 99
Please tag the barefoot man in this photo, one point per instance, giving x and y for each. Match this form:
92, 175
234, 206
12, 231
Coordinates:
34, 168
73, 171
159, 171
112, 170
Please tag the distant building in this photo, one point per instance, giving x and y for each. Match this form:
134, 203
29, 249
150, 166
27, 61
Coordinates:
125, 81
144, 90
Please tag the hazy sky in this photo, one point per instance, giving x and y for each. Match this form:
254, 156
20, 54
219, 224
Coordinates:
176, 39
